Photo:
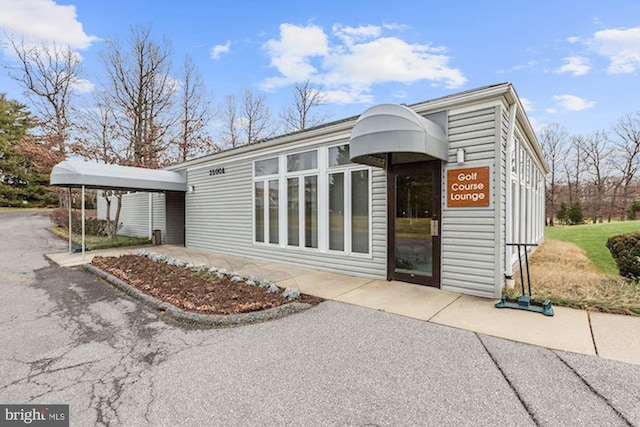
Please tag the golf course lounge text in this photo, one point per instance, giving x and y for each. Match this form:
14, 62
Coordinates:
468, 187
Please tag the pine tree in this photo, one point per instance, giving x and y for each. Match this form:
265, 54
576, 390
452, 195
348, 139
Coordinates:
562, 213
575, 214
19, 178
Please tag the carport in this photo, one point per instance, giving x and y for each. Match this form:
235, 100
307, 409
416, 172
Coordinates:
85, 175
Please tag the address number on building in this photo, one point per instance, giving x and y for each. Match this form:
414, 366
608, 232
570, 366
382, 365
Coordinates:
216, 171
469, 187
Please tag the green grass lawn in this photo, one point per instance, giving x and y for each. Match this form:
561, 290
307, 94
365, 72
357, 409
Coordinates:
100, 242
592, 238
5, 209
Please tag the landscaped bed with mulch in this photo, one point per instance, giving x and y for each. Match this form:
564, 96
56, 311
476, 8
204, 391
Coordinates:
196, 289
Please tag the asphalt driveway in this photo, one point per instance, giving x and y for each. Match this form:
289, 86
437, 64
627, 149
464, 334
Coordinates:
67, 337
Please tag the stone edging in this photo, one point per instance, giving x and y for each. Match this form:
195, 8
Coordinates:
201, 319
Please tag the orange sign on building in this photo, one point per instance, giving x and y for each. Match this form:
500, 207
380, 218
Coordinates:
469, 187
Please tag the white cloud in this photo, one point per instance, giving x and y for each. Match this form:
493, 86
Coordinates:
351, 35
573, 103
536, 125
391, 59
621, 46
358, 58
219, 49
394, 26
83, 86
573, 39
576, 65
527, 105
37, 21
529, 64
291, 54
399, 94
348, 96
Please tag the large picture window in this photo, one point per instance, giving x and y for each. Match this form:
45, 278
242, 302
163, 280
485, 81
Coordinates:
349, 203
311, 211
266, 201
293, 209
360, 211
336, 211
273, 211
302, 200
259, 211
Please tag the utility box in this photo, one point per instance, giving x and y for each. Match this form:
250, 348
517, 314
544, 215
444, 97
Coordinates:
156, 238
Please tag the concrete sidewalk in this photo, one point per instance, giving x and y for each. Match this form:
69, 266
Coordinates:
609, 336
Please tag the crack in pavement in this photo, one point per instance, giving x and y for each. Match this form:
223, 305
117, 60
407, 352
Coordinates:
509, 382
516, 362
113, 345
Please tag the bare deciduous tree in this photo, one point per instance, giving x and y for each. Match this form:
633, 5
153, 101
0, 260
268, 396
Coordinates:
573, 170
229, 115
140, 89
255, 122
299, 116
628, 146
48, 73
195, 114
553, 139
598, 162
98, 139
246, 123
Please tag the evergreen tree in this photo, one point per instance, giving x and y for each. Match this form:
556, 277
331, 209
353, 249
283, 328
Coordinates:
562, 213
575, 214
19, 179
633, 210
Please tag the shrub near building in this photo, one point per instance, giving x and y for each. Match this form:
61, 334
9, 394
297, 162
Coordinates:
93, 226
625, 249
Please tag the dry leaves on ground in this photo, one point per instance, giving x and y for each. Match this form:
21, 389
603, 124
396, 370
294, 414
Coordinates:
188, 290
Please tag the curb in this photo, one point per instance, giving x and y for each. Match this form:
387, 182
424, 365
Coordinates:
180, 315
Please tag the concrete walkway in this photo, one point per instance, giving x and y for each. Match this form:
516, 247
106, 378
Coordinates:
609, 336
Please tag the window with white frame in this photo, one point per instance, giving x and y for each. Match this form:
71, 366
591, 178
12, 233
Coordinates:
349, 203
316, 199
302, 199
266, 200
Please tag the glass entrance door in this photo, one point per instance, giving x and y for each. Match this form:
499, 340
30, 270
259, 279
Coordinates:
414, 227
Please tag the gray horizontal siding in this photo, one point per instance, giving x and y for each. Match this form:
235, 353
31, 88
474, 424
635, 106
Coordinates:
159, 214
469, 235
134, 215
220, 219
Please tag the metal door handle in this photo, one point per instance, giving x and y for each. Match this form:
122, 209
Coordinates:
434, 228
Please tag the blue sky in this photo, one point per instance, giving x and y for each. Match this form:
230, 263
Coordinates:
575, 63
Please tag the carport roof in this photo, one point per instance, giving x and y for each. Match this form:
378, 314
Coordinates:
115, 177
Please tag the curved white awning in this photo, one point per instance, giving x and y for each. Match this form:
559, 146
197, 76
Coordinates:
96, 175
390, 128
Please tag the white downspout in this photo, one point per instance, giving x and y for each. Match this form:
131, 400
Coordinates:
82, 219
70, 231
513, 108
150, 215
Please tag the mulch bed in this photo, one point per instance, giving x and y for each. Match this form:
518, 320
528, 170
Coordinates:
191, 291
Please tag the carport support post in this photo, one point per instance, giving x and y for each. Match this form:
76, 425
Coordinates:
70, 246
83, 219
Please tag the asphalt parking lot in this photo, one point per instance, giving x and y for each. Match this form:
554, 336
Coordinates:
68, 337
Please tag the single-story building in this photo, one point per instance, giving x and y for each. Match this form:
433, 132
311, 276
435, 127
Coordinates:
429, 193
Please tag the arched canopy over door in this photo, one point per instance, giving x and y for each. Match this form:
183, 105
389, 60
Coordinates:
390, 128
